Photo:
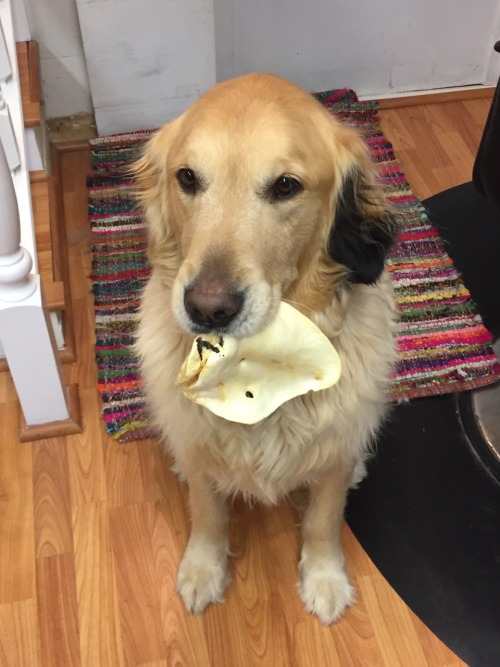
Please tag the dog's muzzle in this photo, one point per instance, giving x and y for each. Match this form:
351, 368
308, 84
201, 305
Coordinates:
212, 306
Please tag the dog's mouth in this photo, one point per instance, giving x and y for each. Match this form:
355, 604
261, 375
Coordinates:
236, 311
239, 325
246, 379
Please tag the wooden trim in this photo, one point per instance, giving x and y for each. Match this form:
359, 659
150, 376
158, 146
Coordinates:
54, 295
34, 72
28, 61
57, 289
486, 92
59, 250
70, 146
59, 428
38, 176
60, 253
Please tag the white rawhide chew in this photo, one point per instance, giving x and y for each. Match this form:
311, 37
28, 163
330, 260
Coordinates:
245, 379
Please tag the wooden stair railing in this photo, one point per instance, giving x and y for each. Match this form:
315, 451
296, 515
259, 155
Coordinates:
49, 227
26, 333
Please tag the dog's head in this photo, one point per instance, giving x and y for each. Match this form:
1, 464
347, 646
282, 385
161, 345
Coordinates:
254, 194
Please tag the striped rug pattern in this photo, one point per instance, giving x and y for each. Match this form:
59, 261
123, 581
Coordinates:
443, 344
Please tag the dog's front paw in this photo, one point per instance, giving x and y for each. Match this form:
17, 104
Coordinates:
325, 590
202, 578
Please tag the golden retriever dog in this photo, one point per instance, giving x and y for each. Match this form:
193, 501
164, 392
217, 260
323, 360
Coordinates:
256, 194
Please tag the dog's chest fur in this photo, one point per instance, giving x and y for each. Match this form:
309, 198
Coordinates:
265, 460
305, 435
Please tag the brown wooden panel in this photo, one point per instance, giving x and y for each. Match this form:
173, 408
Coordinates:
58, 611
28, 62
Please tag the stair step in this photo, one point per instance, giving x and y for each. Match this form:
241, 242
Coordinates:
46, 238
54, 294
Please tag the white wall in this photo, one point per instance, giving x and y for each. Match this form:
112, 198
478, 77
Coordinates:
376, 48
493, 68
147, 59
54, 25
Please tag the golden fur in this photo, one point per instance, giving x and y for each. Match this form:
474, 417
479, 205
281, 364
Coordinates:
238, 139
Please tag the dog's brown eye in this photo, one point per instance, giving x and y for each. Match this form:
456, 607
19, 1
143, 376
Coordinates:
187, 180
285, 187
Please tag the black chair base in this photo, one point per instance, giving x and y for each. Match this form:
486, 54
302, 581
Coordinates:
470, 228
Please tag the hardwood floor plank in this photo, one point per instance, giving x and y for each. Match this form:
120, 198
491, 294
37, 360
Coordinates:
456, 119
87, 477
98, 612
226, 638
258, 595
312, 641
359, 561
7, 389
52, 500
58, 611
19, 640
124, 478
392, 624
459, 170
138, 594
417, 135
84, 371
436, 653
17, 551
183, 635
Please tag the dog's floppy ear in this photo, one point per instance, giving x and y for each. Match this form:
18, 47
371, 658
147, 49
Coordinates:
151, 189
364, 225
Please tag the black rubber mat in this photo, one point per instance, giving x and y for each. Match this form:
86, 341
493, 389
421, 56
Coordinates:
428, 514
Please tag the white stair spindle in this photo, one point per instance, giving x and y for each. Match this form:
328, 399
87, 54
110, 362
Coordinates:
25, 330
5, 68
15, 262
7, 136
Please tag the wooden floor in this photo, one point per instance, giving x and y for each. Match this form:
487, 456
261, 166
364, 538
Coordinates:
91, 531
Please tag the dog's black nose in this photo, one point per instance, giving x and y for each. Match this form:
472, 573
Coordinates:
212, 306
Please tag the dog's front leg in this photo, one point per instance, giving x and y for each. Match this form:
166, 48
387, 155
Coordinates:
203, 573
324, 585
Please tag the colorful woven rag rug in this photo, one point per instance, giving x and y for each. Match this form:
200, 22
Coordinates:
443, 344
